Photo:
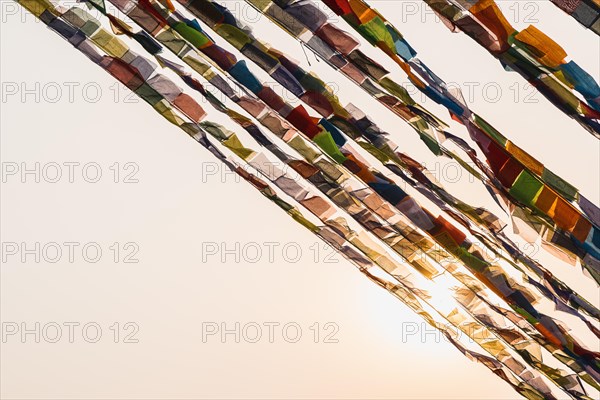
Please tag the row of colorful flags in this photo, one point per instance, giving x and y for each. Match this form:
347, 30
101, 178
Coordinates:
449, 261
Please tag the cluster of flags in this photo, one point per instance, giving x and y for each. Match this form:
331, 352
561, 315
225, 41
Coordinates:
449, 261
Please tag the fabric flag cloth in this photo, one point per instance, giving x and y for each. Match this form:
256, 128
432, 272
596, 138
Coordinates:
586, 12
372, 200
